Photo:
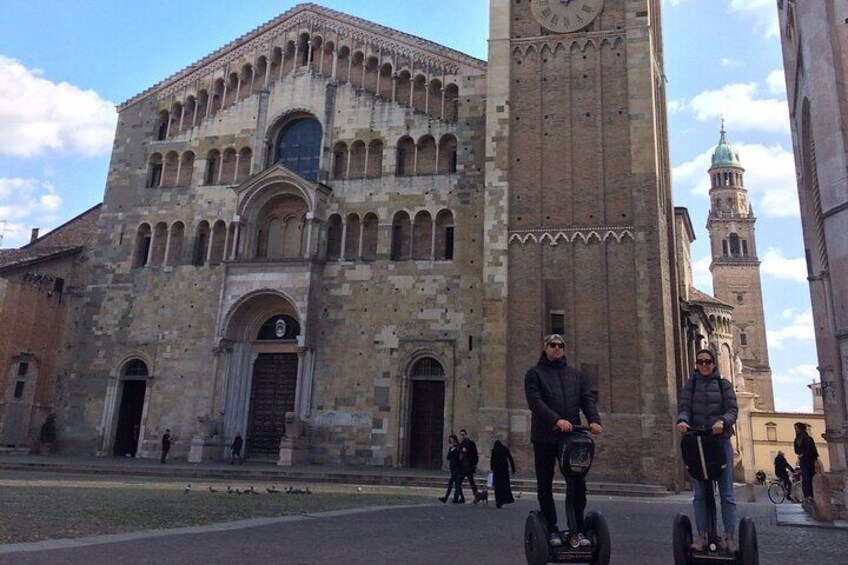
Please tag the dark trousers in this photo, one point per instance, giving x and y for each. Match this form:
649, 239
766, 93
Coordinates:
456, 482
808, 469
545, 456
164, 454
468, 472
787, 484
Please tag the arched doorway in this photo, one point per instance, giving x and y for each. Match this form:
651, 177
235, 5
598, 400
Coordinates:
273, 387
133, 388
427, 414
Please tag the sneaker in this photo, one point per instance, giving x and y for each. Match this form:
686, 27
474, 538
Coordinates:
579, 541
443, 499
730, 545
554, 540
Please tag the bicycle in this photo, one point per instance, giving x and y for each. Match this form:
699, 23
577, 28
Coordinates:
777, 491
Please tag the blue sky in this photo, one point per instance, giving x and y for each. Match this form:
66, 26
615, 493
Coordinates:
64, 64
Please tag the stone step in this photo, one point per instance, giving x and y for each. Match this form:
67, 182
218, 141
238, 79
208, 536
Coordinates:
270, 473
15, 451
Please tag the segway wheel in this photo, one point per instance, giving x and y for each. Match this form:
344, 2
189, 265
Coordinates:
598, 533
682, 539
536, 548
749, 553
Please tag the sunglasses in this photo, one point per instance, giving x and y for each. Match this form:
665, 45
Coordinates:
557, 345
704, 362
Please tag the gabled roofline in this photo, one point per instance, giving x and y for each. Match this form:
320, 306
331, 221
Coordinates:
46, 257
57, 229
371, 28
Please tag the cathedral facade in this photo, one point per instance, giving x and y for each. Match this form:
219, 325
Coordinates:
345, 242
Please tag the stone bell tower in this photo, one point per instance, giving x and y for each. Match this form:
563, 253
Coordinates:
736, 272
579, 218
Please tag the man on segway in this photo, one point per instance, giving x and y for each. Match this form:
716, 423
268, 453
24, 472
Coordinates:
555, 394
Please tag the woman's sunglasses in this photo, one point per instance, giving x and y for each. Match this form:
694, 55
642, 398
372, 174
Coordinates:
704, 362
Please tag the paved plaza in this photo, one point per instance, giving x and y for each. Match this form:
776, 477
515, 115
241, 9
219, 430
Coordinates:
430, 533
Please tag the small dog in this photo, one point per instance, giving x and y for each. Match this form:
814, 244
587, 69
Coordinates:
482, 496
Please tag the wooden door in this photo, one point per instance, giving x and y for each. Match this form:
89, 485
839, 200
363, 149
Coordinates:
271, 396
426, 426
129, 418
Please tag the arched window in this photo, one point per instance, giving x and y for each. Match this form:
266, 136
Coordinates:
201, 244
343, 64
228, 166
357, 69
259, 74
316, 61
134, 368
370, 80
444, 236
327, 58
385, 88
299, 147
245, 81
169, 172
189, 110
217, 96
771, 431
175, 247
405, 157
202, 105
142, 245
427, 368
160, 240
162, 125
735, 248
231, 90
422, 234
401, 231
219, 235
369, 237
451, 103
357, 160
244, 158
403, 87
154, 171
447, 154
186, 168
340, 160
426, 160
352, 233
419, 94
213, 166
334, 237
375, 159
434, 97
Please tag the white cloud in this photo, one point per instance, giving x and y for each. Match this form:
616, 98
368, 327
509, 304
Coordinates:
776, 82
769, 177
799, 328
676, 106
800, 374
790, 388
763, 12
725, 62
740, 106
776, 265
37, 115
25, 204
702, 279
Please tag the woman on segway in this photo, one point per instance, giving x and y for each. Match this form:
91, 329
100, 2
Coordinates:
556, 393
709, 401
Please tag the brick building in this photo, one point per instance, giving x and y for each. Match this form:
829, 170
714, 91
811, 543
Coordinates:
41, 285
354, 239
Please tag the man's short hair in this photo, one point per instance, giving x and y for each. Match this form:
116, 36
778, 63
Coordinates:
553, 337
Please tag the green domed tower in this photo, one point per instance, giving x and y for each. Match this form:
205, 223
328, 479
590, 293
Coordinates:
735, 269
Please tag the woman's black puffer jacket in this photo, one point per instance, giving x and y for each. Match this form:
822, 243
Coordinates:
704, 400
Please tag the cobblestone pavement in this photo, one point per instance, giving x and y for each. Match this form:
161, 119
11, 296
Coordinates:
430, 533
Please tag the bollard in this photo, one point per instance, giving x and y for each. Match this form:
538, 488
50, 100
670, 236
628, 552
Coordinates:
752, 492
822, 509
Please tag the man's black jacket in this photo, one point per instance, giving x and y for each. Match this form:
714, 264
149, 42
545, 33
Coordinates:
554, 392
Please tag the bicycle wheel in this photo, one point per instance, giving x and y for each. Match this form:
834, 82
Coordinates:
776, 493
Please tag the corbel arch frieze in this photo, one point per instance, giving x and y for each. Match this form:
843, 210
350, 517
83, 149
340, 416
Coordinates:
570, 235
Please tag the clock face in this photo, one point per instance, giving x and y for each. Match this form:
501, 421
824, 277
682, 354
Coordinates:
566, 16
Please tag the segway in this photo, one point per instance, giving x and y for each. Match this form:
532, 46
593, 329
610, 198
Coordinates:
705, 460
576, 454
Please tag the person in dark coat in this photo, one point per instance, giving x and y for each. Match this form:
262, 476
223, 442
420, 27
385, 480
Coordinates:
166, 445
456, 474
502, 463
805, 449
709, 401
782, 468
468, 458
235, 448
556, 393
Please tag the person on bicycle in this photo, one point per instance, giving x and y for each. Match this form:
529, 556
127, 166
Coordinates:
709, 401
556, 393
782, 468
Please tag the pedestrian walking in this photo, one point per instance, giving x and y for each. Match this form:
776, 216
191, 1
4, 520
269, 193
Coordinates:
502, 464
235, 448
166, 445
455, 465
469, 458
805, 449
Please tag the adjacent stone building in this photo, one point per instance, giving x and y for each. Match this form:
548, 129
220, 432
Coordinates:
815, 55
41, 290
345, 242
